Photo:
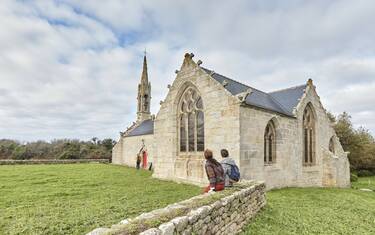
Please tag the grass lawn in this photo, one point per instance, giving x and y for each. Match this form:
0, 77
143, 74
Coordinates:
76, 198
318, 211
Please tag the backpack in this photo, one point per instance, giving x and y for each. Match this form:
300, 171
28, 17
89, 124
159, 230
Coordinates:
234, 173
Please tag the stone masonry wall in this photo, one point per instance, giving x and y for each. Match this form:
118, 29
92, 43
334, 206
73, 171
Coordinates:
221, 125
227, 215
282, 172
329, 170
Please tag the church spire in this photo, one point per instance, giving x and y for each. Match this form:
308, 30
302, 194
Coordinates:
144, 94
144, 77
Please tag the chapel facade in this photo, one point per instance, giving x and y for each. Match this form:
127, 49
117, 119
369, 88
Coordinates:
284, 138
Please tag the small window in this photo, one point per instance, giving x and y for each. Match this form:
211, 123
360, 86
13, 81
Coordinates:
331, 145
308, 136
270, 143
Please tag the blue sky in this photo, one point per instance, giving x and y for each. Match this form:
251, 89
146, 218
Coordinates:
69, 69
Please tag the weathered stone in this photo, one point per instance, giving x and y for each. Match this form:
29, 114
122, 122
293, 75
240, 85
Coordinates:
152, 231
180, 223
197, 226
125, 221
144, 216
187, 231
167, 228
194, 216
207, 219
98, 231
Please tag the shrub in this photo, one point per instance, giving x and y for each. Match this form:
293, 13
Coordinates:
353, 177
365, 173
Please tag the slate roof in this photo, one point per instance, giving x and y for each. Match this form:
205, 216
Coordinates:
145, 128
282, 101
289, 97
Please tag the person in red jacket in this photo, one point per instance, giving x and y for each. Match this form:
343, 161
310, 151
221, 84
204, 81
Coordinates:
215, 173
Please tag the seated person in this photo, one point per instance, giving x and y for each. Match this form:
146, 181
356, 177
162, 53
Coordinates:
215, 173
231, 171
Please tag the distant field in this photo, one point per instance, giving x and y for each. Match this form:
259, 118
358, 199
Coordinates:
74, 199
318, 211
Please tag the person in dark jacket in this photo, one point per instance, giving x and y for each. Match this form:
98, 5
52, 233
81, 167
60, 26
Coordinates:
138, 161
227, 164
215, 173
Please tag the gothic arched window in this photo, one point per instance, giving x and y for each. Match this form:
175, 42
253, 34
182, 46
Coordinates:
331, 145
191, 121
308, 136
270, 143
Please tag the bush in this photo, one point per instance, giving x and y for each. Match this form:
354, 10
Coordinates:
365, 173
353, 177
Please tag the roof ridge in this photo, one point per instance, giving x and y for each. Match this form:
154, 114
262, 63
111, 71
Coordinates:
236, 81
263, 92
285, 89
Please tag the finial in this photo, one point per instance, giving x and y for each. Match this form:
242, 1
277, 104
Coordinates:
189, 55
169, 86
310, 82
199, 62
145, 52
176, 71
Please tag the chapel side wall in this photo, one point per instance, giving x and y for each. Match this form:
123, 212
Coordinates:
131, 146
283, 171
288, 170
221, 126
117, 152
329, 169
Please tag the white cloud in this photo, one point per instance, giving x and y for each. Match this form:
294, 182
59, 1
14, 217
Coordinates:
71, 68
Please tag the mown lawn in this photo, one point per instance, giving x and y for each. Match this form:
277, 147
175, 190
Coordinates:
318, 211
76, 198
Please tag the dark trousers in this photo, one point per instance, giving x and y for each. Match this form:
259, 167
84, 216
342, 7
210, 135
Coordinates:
138, 165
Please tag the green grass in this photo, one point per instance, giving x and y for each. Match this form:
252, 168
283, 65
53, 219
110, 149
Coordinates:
364, 182
318, 211
74, 199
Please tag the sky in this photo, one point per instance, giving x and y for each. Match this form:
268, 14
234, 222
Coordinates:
70, 69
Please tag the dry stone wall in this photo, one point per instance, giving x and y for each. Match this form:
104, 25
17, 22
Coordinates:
203, 214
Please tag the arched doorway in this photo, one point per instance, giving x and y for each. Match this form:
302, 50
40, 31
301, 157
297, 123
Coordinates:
144, 160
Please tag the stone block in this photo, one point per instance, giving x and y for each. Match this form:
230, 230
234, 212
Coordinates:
152, 231
180, 223
99, 231
167, 228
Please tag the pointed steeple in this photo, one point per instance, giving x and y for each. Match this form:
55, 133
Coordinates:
144, 94
144, 77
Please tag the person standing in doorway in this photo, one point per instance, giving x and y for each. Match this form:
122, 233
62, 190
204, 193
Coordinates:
138, 161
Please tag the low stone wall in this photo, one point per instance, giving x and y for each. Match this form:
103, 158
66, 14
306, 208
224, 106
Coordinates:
224, 212
51, 161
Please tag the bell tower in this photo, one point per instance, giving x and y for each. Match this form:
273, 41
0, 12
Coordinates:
144, 95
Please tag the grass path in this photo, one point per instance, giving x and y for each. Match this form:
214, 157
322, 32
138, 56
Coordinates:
318, 211
74, 199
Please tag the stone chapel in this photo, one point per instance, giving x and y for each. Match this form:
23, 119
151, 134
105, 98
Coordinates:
284, 137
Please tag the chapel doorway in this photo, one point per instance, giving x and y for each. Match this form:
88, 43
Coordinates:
144, 160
